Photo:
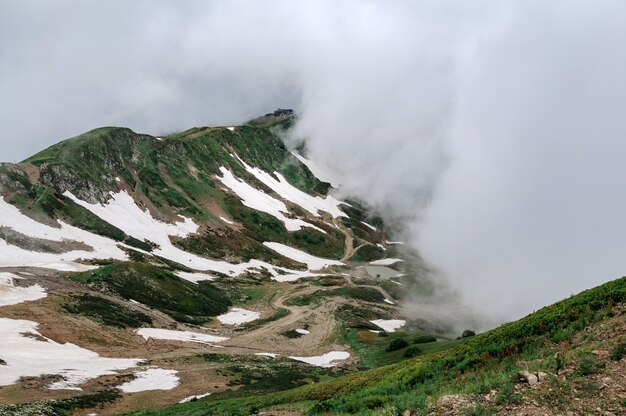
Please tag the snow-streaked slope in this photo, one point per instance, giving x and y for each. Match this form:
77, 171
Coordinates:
385, 262
260, 201
238, 316
28, 356
186, 336
151, 379
12, 295
389, 325
370, 226
122, 212
313, 204
312, 262
325, 360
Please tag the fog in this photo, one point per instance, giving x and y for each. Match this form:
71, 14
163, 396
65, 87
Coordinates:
490, 135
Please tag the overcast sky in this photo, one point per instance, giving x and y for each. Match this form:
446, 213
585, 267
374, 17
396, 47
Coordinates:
493, 132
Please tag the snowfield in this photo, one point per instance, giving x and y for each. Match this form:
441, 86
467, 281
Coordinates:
313, 204
389, 325
312, 262
238, 316
185, 336
12, 295
260, 201
30, 356
151, 379
385, 262
325, 360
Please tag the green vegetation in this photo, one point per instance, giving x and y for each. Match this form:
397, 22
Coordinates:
368, 253
105, 311
422, 339
367, 294
474, 365
159, 289
60, 407
618, 351
412, 351
396, 344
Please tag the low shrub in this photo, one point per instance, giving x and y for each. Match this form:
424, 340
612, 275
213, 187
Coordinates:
412, 351
423, 339
397, 344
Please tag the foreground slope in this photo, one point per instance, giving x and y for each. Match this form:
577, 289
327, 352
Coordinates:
564, 358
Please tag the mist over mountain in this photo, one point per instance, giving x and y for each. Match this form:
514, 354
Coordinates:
489, 135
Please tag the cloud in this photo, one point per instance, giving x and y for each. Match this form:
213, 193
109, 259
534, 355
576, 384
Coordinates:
489, 134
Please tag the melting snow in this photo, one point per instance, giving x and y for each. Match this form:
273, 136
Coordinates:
381, 246
28, 356
226, 221
231, 128
303, 331
325, 360
266, 354
238, 316
389, 302
195, 277
196, 397
260, 201
389, 325
385, 262
12, 295
282, 187
312, 262
369, 226
186, 336
394, 242
151, 379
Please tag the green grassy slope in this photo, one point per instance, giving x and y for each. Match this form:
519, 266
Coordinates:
476, 365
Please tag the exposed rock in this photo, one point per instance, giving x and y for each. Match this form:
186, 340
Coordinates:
528, 377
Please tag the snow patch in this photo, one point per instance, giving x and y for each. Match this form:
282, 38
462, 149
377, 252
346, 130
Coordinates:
389, 302
151, 379
312, 262
28, 356
369, 226
231, 128
303, 331
195, 277
227, 221
325, 360
196, 397
185, 336
12, 295
385, 262
266, 354
394, 242
389, 325
238, 316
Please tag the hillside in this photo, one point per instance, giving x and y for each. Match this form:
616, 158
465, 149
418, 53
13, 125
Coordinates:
139, 271
567, 358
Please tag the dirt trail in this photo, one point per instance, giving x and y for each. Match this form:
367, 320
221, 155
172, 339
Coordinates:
382, 291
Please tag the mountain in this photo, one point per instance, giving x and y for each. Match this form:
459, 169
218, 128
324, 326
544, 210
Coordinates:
137, 271
211, 267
